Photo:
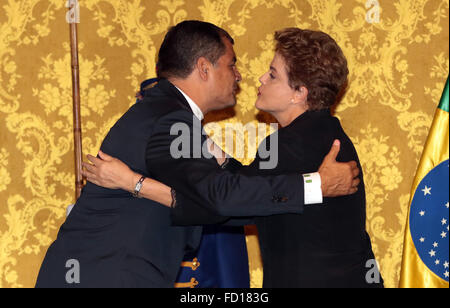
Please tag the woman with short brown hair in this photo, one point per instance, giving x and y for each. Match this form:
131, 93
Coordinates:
328, 245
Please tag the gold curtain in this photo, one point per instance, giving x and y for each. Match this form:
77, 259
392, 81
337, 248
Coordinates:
398, 69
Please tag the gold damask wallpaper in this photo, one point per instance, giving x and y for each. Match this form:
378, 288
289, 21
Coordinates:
399, 61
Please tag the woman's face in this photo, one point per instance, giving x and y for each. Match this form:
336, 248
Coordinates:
275, 95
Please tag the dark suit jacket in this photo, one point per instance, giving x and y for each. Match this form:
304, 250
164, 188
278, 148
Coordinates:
121, 241
326, 246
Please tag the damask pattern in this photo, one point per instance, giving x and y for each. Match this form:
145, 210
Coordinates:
397, 71
5, 178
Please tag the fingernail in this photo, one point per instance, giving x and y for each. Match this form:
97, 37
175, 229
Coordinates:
336, 142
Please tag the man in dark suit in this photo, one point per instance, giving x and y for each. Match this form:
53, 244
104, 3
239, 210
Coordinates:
117, 240
221, 260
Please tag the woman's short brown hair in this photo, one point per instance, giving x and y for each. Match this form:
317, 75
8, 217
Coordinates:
315, 61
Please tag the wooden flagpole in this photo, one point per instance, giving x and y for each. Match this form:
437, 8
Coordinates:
73, 19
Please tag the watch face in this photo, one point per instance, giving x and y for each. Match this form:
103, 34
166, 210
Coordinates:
138, 187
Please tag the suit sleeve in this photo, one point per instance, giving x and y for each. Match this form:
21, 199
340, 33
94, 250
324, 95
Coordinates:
181, 213
174, 157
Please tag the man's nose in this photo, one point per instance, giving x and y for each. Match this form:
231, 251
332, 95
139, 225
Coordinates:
238, 75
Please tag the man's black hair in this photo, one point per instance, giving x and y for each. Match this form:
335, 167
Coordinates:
185, 43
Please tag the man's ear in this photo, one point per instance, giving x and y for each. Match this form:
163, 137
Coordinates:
203, 67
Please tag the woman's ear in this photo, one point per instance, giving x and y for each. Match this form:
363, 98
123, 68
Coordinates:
301, 96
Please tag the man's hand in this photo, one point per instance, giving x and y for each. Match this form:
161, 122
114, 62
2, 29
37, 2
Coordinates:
338, 179
109, 172
216, 151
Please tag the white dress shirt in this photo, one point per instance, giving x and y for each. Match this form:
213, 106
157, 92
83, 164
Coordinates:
194, 107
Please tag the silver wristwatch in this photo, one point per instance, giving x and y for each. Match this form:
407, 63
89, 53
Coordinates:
138, 187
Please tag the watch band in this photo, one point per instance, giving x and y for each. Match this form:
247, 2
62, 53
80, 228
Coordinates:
138, 187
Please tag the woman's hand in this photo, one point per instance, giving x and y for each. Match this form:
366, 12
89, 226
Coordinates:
109, 172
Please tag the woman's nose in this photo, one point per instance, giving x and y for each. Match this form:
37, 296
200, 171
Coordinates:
262, 78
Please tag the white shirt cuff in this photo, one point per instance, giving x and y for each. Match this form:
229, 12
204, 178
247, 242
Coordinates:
313, 188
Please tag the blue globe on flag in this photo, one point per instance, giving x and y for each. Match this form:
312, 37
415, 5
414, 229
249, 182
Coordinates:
429, 220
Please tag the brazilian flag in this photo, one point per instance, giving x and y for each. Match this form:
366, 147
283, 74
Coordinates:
425, 261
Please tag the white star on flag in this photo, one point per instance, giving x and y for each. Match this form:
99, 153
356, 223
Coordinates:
422, 213
444, 221
426, 191
446, 264
446, 274
446, 205
422, 239
432, 253
437, 262
435, 245
443, 234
